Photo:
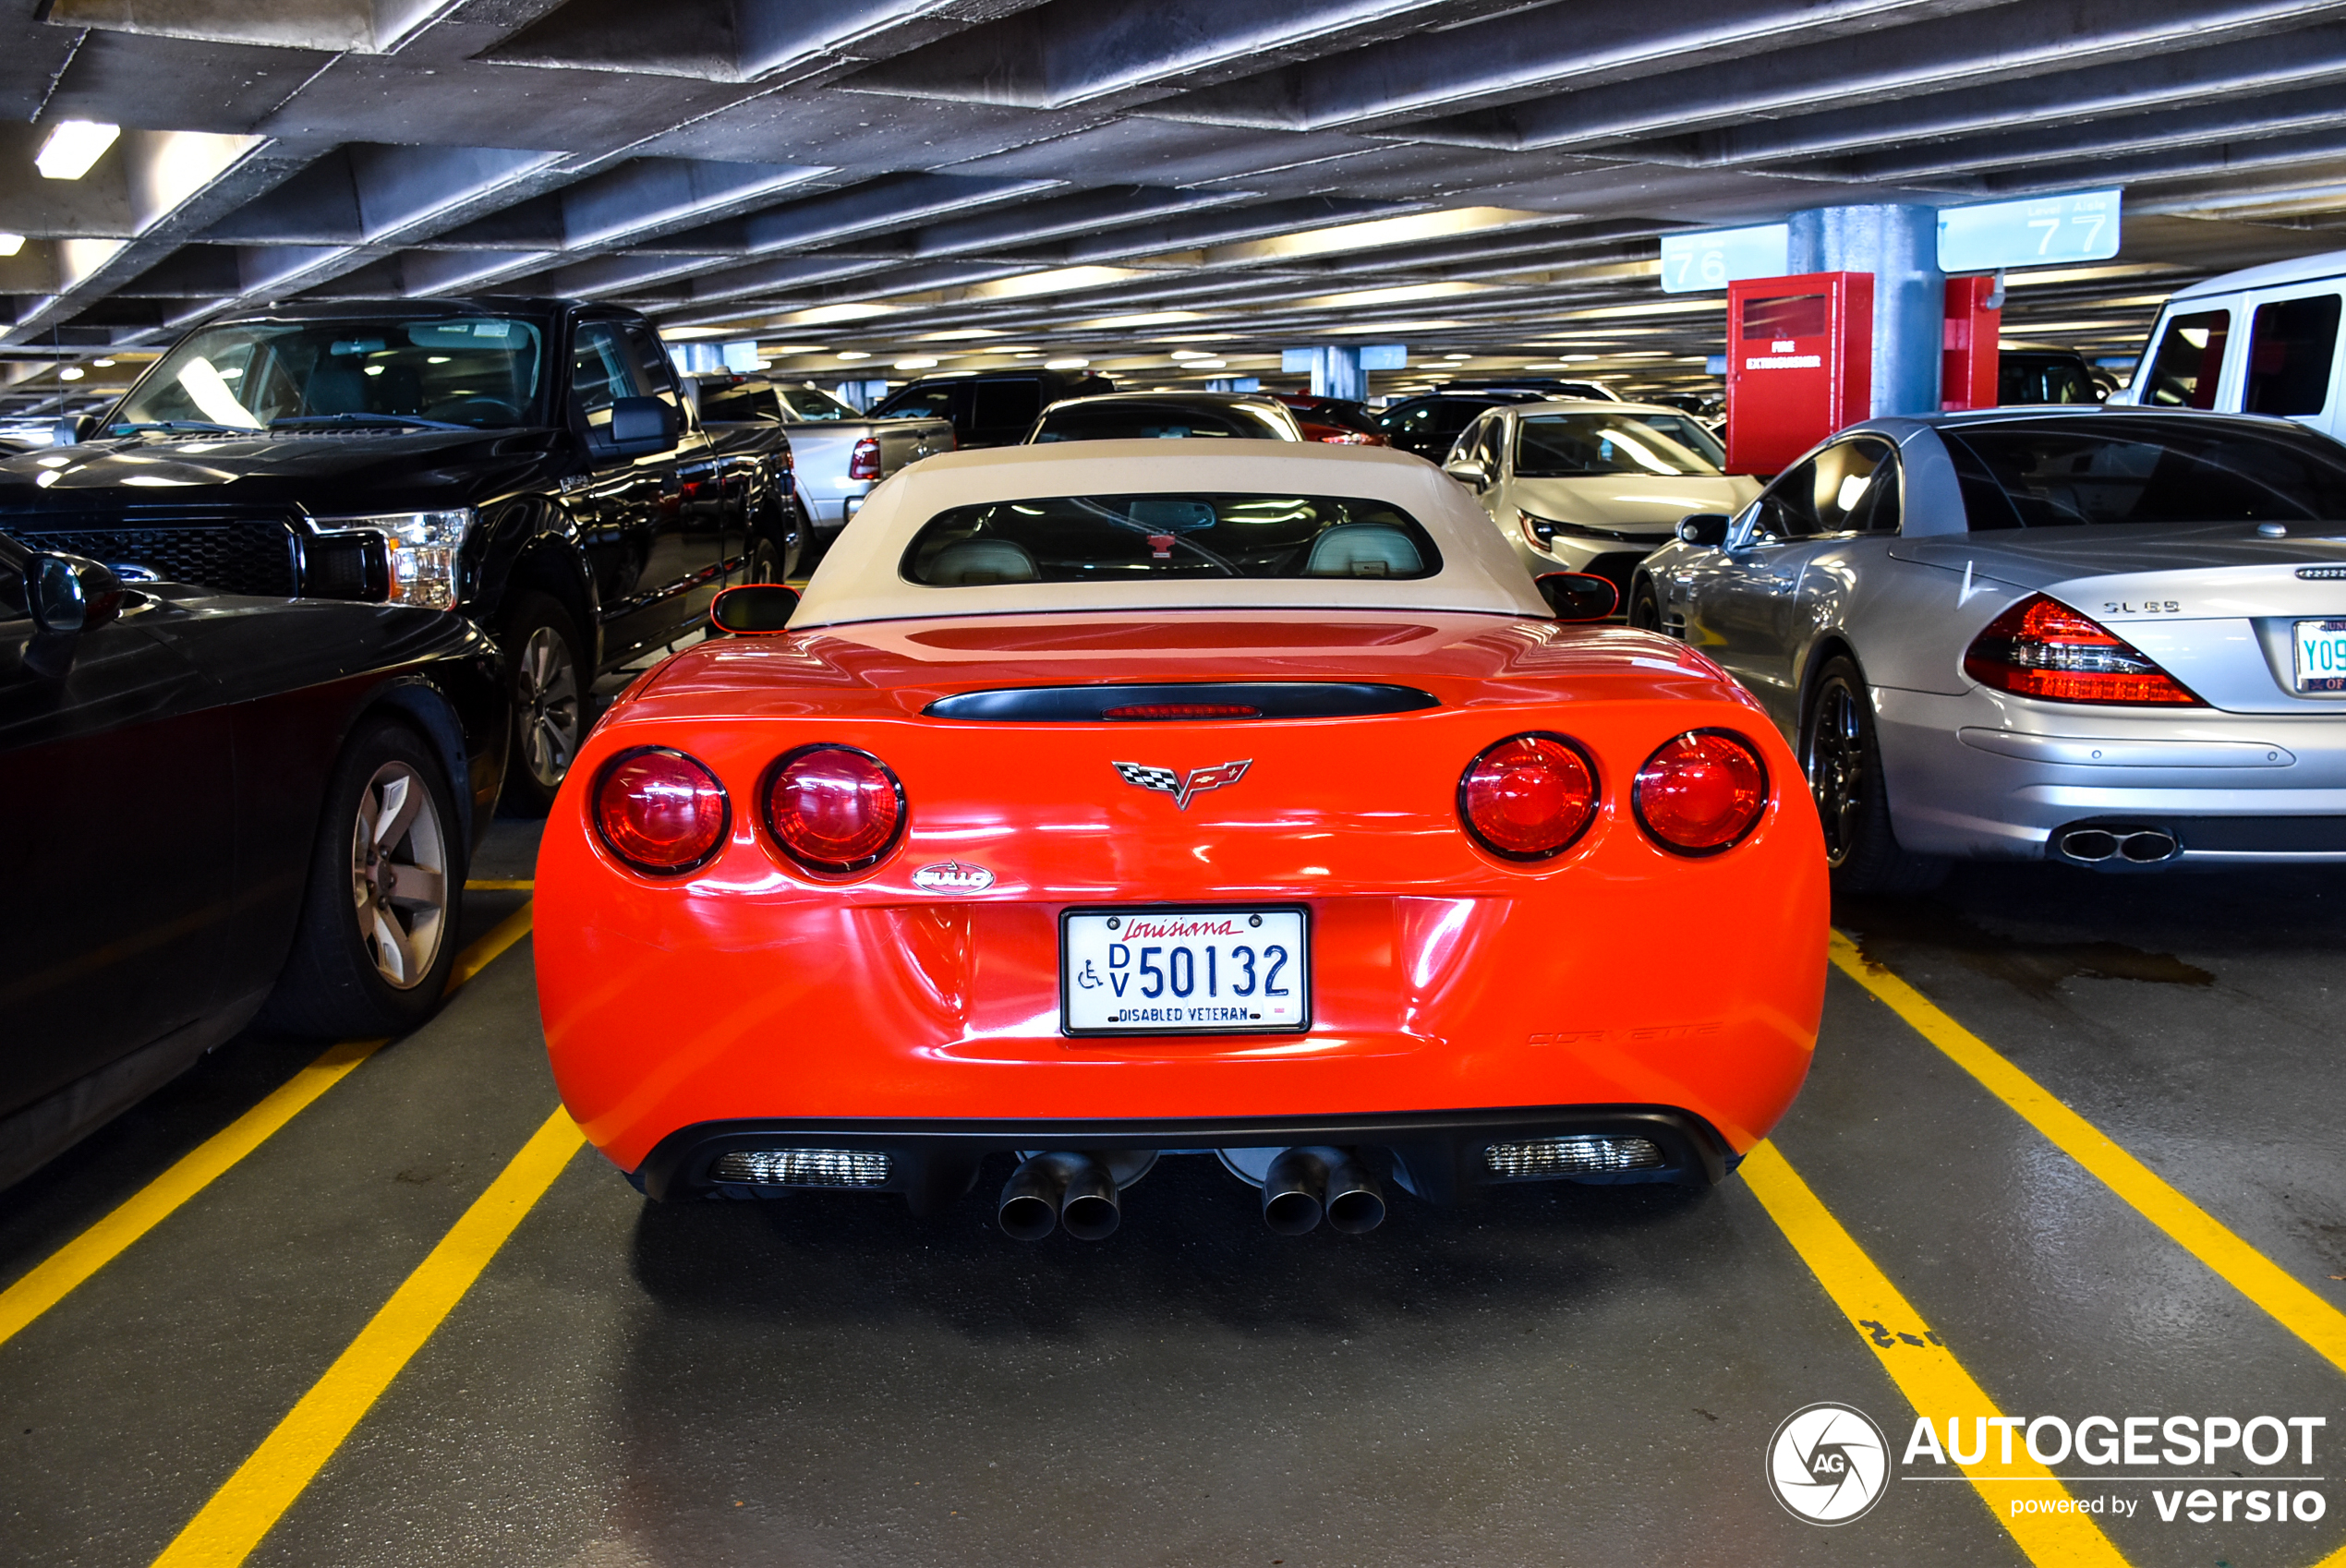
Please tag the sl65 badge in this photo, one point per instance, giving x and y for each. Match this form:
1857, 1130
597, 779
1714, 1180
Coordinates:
952, 877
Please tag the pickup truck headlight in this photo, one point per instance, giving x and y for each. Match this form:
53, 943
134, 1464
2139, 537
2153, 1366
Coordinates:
423, 547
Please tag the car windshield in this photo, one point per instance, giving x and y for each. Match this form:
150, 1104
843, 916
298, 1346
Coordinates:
484, 372
1144, 421
1688, 432
1581, 446
2115, 470
1111, 539
802, 405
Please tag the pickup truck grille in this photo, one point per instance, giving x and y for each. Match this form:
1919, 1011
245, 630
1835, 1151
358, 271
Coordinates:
246, 556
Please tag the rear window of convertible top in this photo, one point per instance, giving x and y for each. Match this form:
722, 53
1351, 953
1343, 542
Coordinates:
1112, 539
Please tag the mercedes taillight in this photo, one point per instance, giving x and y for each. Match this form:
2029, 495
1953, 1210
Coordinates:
2042, 649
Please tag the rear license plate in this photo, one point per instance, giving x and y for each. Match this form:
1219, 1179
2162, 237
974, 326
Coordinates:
2321, 655
1144, 971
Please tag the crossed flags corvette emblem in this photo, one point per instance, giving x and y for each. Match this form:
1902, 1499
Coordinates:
1182, 786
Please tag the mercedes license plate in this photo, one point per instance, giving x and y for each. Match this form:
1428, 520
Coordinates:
1185, 970
2321, 655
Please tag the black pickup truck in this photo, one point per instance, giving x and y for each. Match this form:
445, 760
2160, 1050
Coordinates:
528, 462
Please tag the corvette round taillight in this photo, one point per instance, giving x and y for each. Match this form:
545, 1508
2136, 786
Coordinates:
833, 808
659, 811
1701, 792
1529, 798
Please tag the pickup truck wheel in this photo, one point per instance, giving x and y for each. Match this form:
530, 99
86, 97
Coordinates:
765, 563
378, 931
1842, 758
548, 679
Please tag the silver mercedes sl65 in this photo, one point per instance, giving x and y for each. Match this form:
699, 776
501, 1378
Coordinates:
2113, 638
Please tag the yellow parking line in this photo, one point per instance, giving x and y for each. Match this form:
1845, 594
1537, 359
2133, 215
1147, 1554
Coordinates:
2290, 1304
1924, 1370
499, 885
249, 1502
55, 1277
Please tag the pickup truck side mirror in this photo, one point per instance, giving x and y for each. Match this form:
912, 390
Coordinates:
638, 427
1705, 529
1578, 596
753, 610
1467, 471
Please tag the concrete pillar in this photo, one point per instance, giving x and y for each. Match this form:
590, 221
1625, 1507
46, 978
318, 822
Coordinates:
1900, 246
1335, 367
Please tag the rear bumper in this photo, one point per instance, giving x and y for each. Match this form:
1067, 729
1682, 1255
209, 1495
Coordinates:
1984, 775
1438, 1155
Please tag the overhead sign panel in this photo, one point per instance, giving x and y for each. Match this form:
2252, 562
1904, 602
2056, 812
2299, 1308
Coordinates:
2040, 231
1712, 259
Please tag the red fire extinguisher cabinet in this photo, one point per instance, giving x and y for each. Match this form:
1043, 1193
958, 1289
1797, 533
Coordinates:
1799, 365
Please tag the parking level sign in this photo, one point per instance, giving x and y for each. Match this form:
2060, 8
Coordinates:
2040, 231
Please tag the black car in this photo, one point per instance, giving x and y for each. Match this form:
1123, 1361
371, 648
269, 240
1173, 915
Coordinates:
1427, 425
528, 463
991, 408
2045, 375
221, 808
1168, 416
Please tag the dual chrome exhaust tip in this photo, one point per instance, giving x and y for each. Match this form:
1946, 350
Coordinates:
2135, 845
1079, 1193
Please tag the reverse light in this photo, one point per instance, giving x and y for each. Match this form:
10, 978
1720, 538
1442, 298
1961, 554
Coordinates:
659, 811
863, 462
2042, 649
834, 809
802, 1167
425, 550
1701, 792
1529, 798
1582, 1155
1538, 532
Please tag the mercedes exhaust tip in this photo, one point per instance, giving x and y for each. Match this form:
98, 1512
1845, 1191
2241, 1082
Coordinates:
2100, 845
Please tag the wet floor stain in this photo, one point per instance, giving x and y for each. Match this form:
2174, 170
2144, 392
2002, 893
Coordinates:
1891, 932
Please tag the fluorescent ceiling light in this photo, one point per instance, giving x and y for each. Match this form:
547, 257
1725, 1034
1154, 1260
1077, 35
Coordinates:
1376, 232
1380, 328
791, 347
1396, 296
1190, 354
815, 316
915, 364
852, 354
73, 147
11, 243
1066, 364
70, 373
1658, 307
1146, 318
1206, 365
1056, 281
961, 334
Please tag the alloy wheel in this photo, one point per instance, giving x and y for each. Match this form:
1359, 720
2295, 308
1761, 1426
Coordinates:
399, 875
1837, 768
545, 692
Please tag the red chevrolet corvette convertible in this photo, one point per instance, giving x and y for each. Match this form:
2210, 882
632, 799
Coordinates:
1131, 798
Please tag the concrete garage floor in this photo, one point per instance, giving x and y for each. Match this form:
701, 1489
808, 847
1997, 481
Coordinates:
1561, 1375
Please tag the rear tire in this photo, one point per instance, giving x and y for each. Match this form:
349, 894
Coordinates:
377, 926
548, 679
1841, 755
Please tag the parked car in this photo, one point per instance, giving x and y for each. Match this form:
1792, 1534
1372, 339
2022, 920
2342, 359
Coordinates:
1136, 798
2262, 341
222, 808
992, 407
1592, 486
1166, 416
1546, 386
1336, 421
528, 461
2044, 375
1428, 425
836, 454
2108, 637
